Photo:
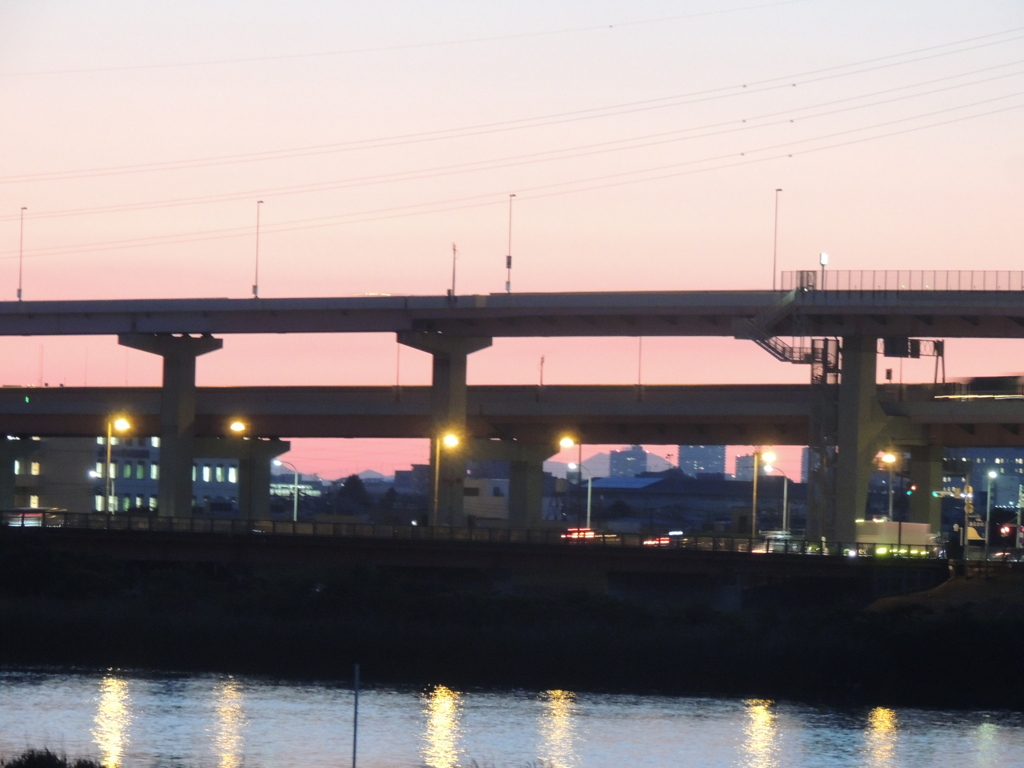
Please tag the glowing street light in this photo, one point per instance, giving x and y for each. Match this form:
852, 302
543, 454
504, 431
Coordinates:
590, 487
295, 487
992, 475
785, 495
767, 457
121, 424
566, 442
238, 427
449, 440
889, 459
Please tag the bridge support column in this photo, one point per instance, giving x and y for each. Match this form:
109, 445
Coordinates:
926, 473
447, 414
254, 456
861, 424
177, 412
526, 476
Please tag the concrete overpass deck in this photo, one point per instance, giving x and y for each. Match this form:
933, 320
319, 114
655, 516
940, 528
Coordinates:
767, 414
947, 314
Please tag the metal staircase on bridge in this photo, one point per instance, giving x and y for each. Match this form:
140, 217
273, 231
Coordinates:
759, 330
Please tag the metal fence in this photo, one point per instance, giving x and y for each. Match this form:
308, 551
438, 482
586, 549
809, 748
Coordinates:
203, 525
903, 280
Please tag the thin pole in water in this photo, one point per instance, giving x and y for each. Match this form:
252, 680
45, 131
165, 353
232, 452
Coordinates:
355, 719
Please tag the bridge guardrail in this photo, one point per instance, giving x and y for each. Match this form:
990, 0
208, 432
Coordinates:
894, 281
233, 527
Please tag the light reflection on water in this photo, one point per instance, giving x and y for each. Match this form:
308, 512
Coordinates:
761, 734
228, 739
881, 737
441, 738
112, 720
202, 721
558, 730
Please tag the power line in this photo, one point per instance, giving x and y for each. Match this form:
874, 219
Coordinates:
585, 150
521, 123
476, 201
399, 47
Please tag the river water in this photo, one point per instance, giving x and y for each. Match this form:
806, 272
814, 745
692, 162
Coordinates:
130, 719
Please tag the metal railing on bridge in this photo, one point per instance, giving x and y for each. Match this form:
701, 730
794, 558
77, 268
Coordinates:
552, 537
895, 281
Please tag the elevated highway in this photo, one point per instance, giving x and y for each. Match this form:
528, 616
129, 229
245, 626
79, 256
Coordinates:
844, 313
741, 414
946, 314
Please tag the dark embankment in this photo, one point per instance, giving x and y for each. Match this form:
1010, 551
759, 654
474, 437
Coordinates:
44, 758
407, 628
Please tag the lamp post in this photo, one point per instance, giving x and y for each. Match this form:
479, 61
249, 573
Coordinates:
121, 424
295, 487
21, 247
785, 495
889, 459
775, 245
450, 441
823, 260
590, 486
992, 475
768, 457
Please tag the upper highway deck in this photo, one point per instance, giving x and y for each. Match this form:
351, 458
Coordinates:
983, 305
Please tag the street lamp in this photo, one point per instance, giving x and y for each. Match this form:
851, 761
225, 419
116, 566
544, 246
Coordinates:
295, 487
889, 459
590, 486
992, 475
768, 457
121, 424
823, 260
238, 426
450, 441
785, 495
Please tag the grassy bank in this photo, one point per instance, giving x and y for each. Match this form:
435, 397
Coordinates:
409, 628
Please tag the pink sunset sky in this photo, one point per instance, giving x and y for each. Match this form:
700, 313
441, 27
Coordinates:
644, 142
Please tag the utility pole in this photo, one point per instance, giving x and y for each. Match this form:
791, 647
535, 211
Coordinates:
508, 254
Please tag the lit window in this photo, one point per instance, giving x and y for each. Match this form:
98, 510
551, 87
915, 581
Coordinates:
113, 441
232, 474
17, 467
140, 473
206, 473
34, 468
193, 473
33, 501
127, 470
112, 501
155, 442
100, 441
126, 503
138, 502
219, 473
154, 471
99, 469
152, 502
112, 469
99, 502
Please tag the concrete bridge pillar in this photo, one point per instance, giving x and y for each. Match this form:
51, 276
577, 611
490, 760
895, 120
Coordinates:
447, 414
526, 476
526, 487
861, 426
925, 468
177, 412
254, 456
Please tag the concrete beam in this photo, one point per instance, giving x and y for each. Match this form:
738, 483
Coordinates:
526, 476
177, 412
